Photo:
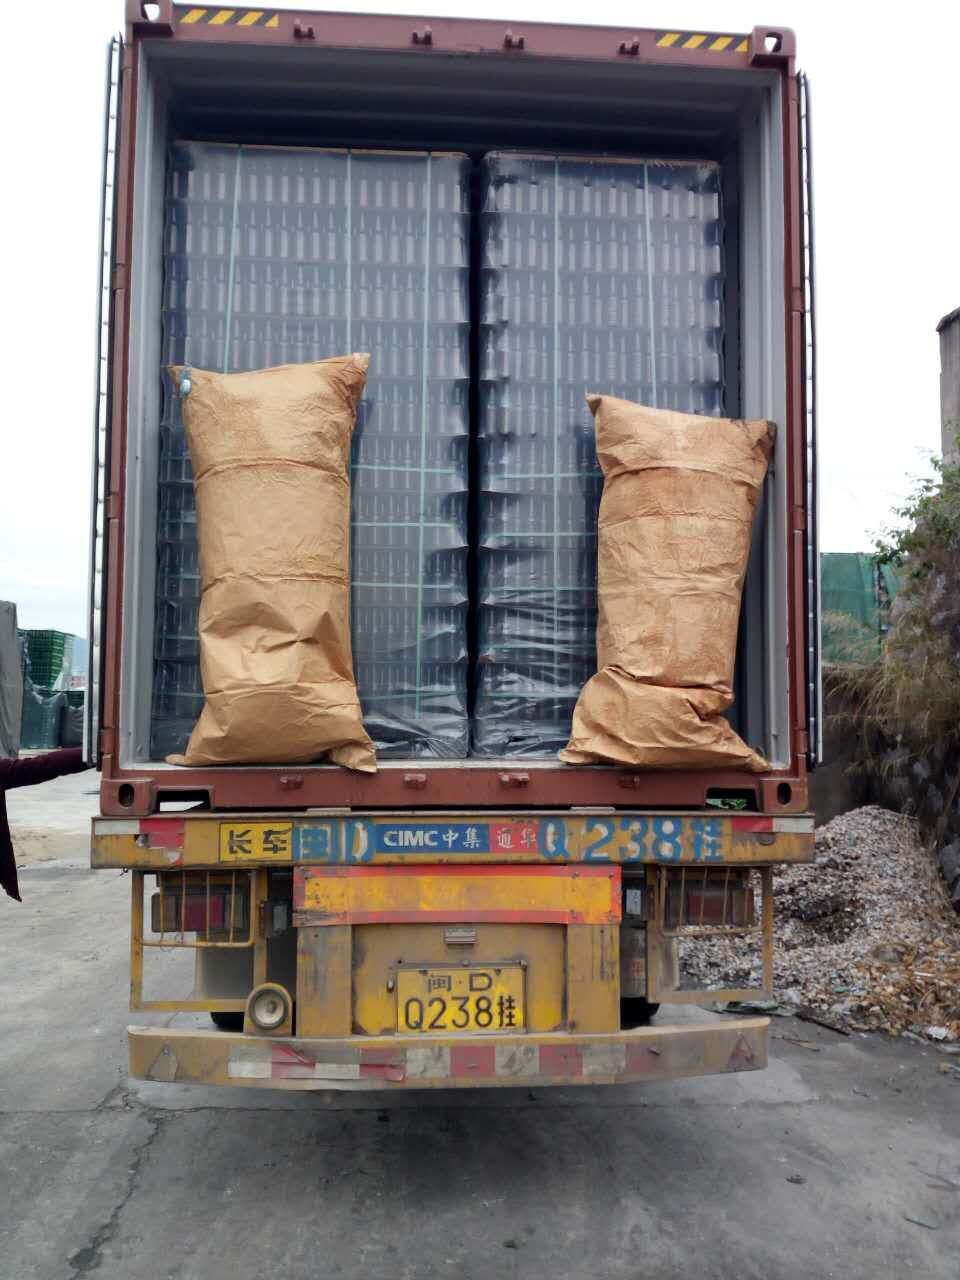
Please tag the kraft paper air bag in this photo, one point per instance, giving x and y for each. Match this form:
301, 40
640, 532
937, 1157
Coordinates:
270, 453
676, 517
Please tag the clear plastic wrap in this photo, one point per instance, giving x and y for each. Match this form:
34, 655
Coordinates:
597, 276
279, 255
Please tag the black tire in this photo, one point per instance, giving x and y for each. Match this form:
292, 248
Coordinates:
231, 1021
635, 1011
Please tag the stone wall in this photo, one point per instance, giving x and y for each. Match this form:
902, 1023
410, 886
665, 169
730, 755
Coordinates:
859, 767
924, 782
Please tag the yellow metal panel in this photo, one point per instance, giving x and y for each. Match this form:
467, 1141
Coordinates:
767, 929
256, 841
743, 46
221, 17
136, 939
557, 839
369, 895
222, 1004
379, 951
250, 18
694, 42
593, 978
193, 15
260, 892
274, 21
666, 41
720, 44
323, 981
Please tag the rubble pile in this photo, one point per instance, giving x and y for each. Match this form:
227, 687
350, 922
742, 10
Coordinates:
866, 937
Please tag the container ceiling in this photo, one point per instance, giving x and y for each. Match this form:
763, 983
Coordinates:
464, 101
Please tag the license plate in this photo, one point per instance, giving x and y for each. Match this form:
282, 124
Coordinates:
448, 999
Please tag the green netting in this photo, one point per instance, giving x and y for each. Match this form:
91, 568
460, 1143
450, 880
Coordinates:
855, 596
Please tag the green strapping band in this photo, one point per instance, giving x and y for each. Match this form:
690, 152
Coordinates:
232, 266
387, 466
556, 423
651, 310
349, 238
425, 356
401, 524
348, 350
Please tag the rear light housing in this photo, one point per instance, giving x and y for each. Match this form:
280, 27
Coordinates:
720, 899
213, 907
690, 910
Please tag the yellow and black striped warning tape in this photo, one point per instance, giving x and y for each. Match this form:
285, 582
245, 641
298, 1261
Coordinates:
709, 43
228, 17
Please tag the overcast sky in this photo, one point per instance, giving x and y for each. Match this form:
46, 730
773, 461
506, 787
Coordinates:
886, 112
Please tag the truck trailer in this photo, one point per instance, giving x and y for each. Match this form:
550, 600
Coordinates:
506, 216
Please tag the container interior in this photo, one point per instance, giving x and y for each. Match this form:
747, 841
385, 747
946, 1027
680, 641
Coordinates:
727, 123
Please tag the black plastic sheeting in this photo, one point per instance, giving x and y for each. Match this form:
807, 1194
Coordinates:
275, 256
597, 276
591, 275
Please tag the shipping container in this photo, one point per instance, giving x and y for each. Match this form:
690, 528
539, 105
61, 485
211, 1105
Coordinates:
506, 217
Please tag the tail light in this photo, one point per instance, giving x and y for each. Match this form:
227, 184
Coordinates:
709, 933
708, 899
214, 907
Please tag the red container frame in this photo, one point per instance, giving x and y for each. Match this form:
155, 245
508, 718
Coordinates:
139, 790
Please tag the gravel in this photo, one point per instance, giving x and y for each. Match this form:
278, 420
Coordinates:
865, 936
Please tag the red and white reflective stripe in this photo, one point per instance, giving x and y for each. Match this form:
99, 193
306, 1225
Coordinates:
161, 833
282, 1061
802, 825
116, 826
600, 1059
760, 823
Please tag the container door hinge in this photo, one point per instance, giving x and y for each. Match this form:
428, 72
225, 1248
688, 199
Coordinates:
799, 520
119, 277
801, 743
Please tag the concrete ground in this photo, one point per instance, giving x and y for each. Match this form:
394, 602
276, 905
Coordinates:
840, 1160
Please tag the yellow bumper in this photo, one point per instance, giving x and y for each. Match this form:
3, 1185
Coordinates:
660, 1052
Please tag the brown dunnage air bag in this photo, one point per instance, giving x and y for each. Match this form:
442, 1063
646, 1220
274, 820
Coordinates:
270, 453
679, 495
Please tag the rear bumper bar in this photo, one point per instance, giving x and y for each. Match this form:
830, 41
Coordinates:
660, 1052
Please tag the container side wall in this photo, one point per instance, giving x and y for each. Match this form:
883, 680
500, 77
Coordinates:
143, 416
